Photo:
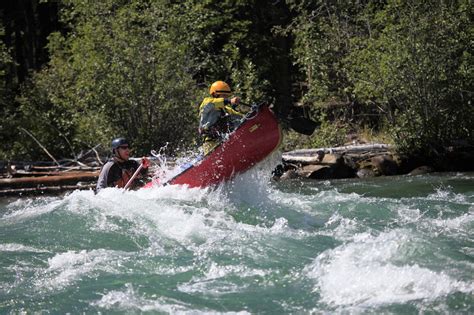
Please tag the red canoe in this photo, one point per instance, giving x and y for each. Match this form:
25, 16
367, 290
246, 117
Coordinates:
255, 139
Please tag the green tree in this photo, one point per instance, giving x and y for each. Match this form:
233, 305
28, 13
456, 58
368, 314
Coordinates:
415, 66
139, 68
408, 62
6, 99
236, 41
323, 32
5, 61
122, 69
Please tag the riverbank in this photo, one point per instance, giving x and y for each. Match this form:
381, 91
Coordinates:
366, 160
351, 161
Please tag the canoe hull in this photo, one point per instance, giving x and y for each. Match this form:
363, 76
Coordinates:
250, 143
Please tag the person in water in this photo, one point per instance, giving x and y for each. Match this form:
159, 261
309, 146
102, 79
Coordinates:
119, 169
218, 115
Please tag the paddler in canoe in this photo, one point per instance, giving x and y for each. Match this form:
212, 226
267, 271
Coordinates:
218, 115
120, 170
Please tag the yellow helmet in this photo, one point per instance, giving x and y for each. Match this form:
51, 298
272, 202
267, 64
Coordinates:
219, 87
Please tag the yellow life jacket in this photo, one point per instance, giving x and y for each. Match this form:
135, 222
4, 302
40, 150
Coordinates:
219, 104
211, 112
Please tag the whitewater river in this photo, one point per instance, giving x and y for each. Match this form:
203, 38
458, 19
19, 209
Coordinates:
393, 245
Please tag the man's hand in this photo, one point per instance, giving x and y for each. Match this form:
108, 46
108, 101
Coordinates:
235, 100
145, 162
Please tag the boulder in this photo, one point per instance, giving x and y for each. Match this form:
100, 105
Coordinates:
421, 170
343, 171
365, 173
324, 172
350, 162
289, 174
384, 165
312, 171
332, 159
335, 171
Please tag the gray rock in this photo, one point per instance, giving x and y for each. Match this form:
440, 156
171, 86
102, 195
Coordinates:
365, 173
291, 173
385, 165
421, 170
332, 159
311, 171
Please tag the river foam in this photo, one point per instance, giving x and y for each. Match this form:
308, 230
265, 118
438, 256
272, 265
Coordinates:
370, 271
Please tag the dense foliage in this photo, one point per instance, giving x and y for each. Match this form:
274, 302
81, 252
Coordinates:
408, 62
138, 68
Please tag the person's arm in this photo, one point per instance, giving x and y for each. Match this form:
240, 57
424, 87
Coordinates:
232, 111
103, 180
230, 104
141, 179
146, 164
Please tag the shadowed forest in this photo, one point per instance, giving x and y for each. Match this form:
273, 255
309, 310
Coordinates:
75, 73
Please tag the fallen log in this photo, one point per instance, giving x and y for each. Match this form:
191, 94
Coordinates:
22, 173
342, 162
44, 189
66, 178
315, 156
65, 168
301, 159
342, 149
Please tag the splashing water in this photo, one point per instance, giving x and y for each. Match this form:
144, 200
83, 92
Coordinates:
385, 245
165, 170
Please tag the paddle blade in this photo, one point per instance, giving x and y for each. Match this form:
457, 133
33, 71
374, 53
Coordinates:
303, 125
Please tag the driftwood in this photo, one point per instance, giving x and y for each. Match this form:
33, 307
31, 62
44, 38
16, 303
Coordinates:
41, 146
22, 177
64, 179
37, 173
64, 168
26, 177
315, 156
343, 149
92, 150
44, 189
350, 161
97, 156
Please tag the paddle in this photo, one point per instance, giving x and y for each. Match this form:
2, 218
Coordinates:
300, 124
130, 181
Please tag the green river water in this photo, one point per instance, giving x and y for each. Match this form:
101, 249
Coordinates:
392, 245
